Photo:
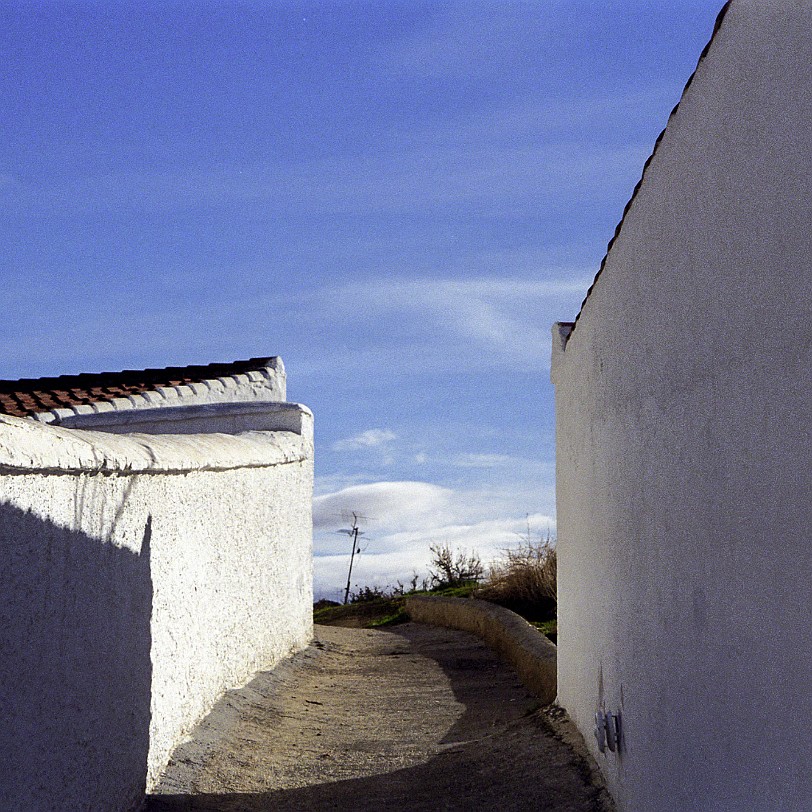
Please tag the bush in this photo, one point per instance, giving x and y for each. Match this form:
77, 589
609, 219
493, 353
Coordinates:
452, 568
525, 580
369, 593
324, 603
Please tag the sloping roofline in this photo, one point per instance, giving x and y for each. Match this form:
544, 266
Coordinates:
717, 25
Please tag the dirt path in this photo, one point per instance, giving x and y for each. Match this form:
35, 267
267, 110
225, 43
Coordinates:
416, 718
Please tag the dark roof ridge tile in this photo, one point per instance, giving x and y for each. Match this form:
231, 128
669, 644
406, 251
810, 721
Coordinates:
27, 396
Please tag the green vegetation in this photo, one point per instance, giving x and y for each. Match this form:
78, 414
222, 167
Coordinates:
372, 607
523, 581
549, 628
383, 611
389, 620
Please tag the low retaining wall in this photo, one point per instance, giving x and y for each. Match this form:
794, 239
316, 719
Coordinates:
511, 636
142, 576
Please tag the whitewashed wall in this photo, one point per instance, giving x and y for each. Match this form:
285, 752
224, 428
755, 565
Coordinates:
141, 577
209, 418
684, 404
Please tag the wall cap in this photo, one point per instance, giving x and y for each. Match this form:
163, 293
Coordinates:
27, 446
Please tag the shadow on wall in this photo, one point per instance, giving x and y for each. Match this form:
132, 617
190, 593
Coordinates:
75, 670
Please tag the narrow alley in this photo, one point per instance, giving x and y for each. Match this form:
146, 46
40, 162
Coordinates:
412, 718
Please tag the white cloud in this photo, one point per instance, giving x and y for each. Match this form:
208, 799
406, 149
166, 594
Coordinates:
327, 484
366, 439
387, 504
405, 519
385, 560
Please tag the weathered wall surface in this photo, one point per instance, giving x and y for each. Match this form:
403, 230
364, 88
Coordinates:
683, 403
142, 577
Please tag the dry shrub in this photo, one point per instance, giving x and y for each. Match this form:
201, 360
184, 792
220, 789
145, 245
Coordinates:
450, 568
525, 579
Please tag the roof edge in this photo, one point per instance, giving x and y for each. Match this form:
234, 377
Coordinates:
268, 362
716, 26
28, 447
51, 399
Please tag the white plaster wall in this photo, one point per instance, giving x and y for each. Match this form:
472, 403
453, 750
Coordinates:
224, 418
683, 447
142, 576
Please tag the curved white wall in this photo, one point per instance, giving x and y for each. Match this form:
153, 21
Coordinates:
142, 576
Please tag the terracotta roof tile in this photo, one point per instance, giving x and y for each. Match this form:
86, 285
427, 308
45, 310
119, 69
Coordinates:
28, 396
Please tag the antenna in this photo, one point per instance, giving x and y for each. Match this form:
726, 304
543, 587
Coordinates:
353, 532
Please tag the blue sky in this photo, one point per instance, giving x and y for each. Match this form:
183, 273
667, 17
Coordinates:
398, 198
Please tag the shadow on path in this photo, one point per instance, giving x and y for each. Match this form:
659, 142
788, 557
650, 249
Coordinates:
498, 752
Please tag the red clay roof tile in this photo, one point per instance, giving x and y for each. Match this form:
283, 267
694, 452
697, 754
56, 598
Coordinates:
28, 396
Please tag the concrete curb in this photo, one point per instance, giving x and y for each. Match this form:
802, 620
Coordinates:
512, 637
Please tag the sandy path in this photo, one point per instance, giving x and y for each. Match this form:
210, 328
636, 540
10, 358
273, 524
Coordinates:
416, 718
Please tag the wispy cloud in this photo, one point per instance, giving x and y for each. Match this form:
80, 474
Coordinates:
501, 180
452, 48
482, 460
523, 152
371, 438
503, 158
388, 504
452, 324
459, 42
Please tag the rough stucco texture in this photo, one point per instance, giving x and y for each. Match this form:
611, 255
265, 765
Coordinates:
683, 405
141, 578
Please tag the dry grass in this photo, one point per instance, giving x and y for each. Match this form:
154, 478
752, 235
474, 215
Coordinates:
525, 580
